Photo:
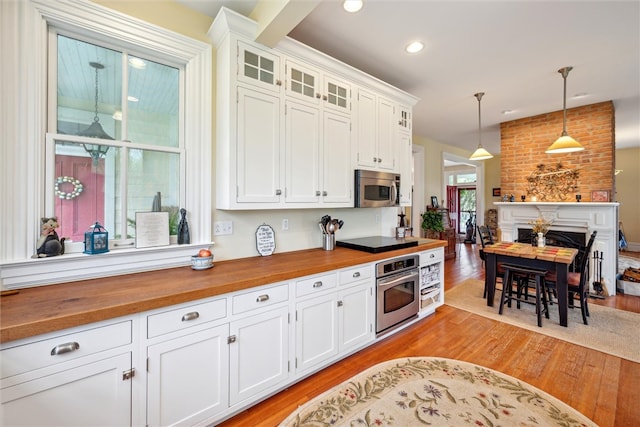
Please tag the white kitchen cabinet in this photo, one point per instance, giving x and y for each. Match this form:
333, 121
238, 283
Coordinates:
257, 172
258, 348
405, 168
273, 154
405, 118
376, 135
259, 67
80, 378
330, 321
431, 280
187, 373
187, 378
317, 169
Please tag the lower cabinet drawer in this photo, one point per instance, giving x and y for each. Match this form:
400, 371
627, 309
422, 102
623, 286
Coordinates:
185, 317
350, 275
316, 284
40, 354
261, 298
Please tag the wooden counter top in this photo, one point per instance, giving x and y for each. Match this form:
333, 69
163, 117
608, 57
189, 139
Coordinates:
38, 310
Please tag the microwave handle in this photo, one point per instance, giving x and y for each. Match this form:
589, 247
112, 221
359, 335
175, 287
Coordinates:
394, 193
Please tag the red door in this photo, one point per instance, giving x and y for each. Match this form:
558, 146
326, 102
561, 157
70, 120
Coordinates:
76, 215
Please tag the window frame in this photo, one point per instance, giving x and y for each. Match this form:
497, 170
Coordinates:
24, 165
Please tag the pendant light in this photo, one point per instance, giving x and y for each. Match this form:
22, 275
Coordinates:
480, 153
95, 129
564, 144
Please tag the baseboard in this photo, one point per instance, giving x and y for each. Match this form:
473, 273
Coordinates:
632, 247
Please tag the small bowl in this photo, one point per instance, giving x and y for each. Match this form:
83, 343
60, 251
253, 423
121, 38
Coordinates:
201, 262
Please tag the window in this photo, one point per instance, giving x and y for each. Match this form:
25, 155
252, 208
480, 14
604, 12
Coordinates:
133, 161
28, 176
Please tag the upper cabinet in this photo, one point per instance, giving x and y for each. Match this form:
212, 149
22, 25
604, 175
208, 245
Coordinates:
290, 129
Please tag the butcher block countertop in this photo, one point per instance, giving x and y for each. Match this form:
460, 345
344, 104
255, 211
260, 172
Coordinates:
39, 310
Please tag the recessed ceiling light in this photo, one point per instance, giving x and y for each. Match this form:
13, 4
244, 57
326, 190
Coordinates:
352, 6
137, 63
132, 98
414, 47
505, 112
580, 95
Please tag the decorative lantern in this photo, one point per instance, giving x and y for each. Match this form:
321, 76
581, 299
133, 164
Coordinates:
96, 240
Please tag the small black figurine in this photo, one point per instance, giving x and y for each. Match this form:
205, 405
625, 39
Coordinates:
183, 228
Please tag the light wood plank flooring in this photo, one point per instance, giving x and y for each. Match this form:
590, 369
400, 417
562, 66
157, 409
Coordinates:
605, 388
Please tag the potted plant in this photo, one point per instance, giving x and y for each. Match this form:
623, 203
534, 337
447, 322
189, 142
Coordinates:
432, 224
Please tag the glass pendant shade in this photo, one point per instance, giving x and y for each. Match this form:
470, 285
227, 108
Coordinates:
480, 153
564, 144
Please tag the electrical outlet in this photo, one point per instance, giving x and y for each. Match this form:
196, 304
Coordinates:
222, 228
285, 224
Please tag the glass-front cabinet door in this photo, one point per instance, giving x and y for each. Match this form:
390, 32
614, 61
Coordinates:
258, 67
336, 94
302, 82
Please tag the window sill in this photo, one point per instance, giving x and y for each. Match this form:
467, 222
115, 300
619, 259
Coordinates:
79, 266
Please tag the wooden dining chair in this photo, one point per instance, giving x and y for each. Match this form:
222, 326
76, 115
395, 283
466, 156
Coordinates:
486, 238
577, 281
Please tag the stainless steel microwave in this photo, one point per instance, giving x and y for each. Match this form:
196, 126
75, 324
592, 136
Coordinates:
376, 189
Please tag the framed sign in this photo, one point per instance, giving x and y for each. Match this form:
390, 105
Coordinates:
496, 192
600, 196
434, 202
265, 240
152, 229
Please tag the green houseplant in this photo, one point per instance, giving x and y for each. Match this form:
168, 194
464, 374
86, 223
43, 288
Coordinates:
432, 224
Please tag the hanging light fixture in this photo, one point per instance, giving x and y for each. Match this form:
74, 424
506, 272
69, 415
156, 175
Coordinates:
564, 144
352, 6
95, 129
480, 153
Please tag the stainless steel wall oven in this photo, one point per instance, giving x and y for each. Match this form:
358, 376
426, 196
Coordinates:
398, 292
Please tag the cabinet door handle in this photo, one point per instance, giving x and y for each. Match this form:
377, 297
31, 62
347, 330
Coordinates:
190, 316
262, 298
340, 303
356, 274
324, 193
67, 347
317, 284
278, 192
318, 193
231, 339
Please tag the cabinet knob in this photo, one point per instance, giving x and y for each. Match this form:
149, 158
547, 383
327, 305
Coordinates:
379, 160
190, 316
67, 347
356, 274
375, 159
278, 82
262, 298
318, 95
231, 339
318, 193
324, 98
278, 192
340, 303
324, 193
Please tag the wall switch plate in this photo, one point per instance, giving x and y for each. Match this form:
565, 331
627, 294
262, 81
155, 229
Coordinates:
222, 228
285, 224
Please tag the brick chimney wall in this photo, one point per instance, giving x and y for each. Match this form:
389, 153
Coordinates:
524, 141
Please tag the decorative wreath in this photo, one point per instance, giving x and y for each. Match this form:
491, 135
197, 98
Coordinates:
77, 187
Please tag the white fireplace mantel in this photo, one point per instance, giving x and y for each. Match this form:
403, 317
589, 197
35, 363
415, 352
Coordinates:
581, 217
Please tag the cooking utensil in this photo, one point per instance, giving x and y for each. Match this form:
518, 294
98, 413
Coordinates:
322, 228
340, 224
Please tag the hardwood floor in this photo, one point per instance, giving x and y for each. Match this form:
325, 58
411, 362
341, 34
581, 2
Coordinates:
605, 388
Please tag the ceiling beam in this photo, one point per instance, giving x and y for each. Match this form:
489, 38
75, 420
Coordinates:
276, 18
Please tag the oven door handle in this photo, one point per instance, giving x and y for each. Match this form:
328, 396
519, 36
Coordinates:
388, 282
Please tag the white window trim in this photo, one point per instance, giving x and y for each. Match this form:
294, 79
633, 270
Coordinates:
22, 150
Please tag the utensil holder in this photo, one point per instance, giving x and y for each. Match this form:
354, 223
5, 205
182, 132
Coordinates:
328, 242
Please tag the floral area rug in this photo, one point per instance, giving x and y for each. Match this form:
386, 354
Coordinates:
421, 391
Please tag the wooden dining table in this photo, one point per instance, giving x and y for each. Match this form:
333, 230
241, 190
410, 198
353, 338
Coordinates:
550, 258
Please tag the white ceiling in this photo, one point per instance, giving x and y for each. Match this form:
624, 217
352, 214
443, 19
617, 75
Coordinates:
511, 50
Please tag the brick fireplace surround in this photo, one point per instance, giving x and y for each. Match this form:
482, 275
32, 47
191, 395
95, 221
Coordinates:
523, 145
